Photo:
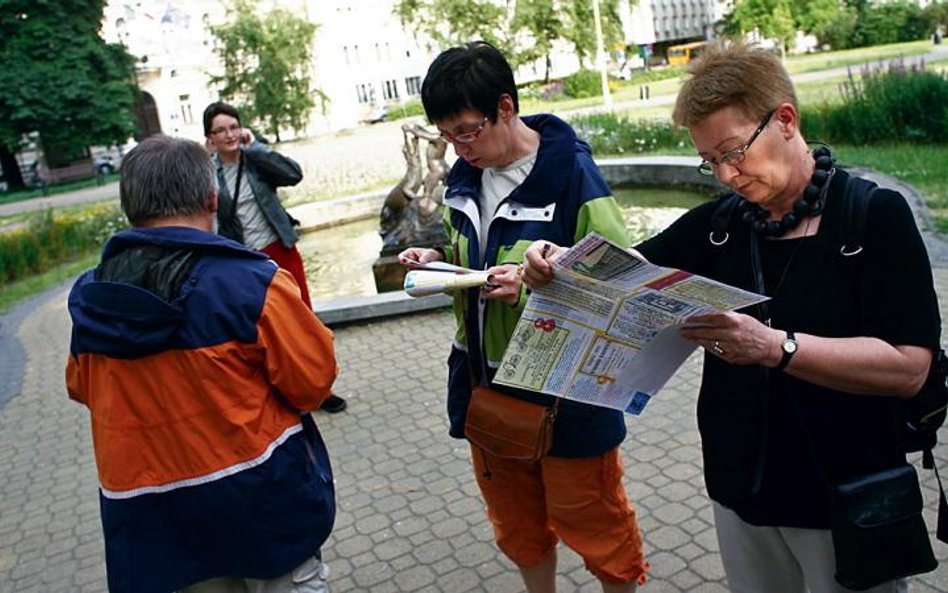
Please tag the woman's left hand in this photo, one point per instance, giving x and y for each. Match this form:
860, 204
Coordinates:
504, 283
735, 337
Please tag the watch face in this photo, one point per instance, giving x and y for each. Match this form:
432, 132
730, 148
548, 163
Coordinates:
789, 346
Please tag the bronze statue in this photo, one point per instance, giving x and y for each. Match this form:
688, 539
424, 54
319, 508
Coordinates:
437, 169
411, 214
407, 188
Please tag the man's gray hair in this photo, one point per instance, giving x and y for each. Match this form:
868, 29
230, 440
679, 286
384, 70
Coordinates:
164, 177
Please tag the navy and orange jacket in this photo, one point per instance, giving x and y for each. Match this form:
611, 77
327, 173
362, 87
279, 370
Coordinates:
198, 360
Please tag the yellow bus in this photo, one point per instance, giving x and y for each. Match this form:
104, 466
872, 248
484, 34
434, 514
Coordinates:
684, 53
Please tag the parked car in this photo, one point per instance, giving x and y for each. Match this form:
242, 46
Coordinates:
106, 164
108, 159
377, 115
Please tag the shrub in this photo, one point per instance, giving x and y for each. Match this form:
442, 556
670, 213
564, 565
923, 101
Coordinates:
656, 74
581, 84
48, 240
893, 104
407, 108
608, 133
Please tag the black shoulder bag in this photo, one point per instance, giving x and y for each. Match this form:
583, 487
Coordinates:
876, 521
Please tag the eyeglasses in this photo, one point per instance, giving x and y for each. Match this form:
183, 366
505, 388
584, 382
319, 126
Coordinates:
465, 137
734, 157
231, 128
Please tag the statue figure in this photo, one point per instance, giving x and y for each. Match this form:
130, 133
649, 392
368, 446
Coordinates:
407, 188
411, 213
437, 169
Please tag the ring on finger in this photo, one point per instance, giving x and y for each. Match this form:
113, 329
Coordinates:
717, 348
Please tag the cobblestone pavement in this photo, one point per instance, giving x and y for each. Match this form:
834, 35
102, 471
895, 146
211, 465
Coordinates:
409, 515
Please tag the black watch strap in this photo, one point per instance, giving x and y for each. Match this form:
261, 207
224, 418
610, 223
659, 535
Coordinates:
789, 348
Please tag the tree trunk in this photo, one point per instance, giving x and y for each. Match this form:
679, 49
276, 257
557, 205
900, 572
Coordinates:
11, 169
549, 66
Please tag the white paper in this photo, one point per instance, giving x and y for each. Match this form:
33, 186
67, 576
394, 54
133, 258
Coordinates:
427, 282
440, 266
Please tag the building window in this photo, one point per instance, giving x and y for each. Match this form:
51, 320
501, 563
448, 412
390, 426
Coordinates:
389, 89
364, 92
412, 85
186, 115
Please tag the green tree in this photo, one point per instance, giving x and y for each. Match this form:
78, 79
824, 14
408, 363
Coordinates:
536, 24
781, 19
782, 27
543, 25
935, 16
817, 16
580, 28
767, 17
60, 79
888, 23
267, 63
454, 22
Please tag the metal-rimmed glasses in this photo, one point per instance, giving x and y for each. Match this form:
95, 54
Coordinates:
734, 157
229, 129
465, 137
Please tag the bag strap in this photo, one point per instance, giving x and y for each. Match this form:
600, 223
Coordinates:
941, 530
855, 207
721, 219
765, 376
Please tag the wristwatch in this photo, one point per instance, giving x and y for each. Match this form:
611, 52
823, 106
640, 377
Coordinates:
789, 348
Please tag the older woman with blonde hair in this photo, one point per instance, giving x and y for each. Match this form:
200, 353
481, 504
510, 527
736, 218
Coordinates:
803, 392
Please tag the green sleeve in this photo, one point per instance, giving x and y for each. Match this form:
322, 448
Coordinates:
603, 216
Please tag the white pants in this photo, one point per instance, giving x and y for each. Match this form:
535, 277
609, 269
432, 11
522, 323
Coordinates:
308, 577
780, 559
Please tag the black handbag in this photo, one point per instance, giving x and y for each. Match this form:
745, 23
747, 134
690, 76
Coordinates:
878, 531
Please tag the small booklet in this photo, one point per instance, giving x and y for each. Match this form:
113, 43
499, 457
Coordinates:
434, 277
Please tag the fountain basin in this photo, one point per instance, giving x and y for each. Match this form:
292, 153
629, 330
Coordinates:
348, 238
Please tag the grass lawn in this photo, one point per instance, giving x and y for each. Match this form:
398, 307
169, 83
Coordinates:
21, 290
797, 64
924, 167
848, 57
59, 188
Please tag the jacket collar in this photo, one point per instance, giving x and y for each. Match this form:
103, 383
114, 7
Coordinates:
550, 174
176, 236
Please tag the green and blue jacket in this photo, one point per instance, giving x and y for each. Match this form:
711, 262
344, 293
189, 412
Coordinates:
562, 200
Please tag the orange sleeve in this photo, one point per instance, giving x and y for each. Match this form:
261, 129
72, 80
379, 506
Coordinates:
298, 348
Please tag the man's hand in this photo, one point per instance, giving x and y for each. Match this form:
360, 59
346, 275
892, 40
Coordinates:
537, 269
246, 136
414, 257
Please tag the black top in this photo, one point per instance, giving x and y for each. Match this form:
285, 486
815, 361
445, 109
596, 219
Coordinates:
750, 418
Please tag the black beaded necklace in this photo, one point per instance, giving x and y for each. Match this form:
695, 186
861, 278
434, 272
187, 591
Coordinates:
810, 203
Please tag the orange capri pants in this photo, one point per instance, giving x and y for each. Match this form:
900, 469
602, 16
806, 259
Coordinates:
579, 501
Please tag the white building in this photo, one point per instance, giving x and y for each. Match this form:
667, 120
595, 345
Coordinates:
362, 56
660, 23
